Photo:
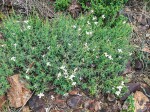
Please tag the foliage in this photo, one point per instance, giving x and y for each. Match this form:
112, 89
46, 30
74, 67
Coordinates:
130, 103
61, 4
106, 9
64, 53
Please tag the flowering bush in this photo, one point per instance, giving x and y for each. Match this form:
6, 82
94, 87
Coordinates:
65, 53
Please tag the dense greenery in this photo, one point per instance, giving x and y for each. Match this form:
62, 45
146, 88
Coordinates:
65, 53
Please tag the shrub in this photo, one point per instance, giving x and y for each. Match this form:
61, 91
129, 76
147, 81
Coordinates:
107, 9
61, 4
65, 53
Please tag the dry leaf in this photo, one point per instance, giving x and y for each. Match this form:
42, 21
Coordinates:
18, 95
97, 106
140, 101
73, 92
2, 100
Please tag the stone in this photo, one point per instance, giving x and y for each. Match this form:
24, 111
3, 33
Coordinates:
132, 87
140, 102
74, 101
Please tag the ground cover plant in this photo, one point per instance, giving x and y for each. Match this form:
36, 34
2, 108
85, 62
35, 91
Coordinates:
65, 53
107, 9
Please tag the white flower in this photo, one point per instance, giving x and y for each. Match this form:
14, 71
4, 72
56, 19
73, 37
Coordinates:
110, 57
80, 78
52, 97
48, 47
13, 58
119, 57
95, 23
103, 16
33, 48
94, 18
97, 56
47, 109
74, 26
3, 45
26, 21
59, 75
117, 93
79, 29
48, 64
88, 23
75, 69
66, 94
43, 55
27, 70
119, 87
13, 34
71, 77
124, 22
122, 83
62, 67
66, 74
40, 95
86, 46
106, 55
92, 11
120, 50
88, 33
15, 45
74, 83
82, 59
27, 77
69, 44
130, 54
28, 27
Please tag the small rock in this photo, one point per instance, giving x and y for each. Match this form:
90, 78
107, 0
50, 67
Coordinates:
128, 68
142, 20
132, 87
74, 101
61, 103
37, 104
111, 97
143, 27
148, 21
140, 101
138, 65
